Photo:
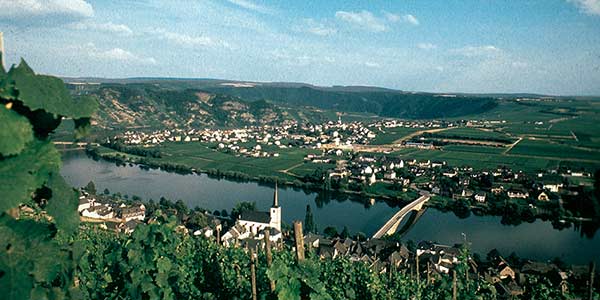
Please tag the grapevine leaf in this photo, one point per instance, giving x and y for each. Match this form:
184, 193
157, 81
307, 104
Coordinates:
27, 255
21, 175
63, 204
15, 132
44, 92
163, 265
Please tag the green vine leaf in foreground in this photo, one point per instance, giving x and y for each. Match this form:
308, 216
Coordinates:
36, 259
31, 260
44, 92
16, 133
63, 204
22, 175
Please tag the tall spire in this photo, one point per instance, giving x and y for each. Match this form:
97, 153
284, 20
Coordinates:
275, 198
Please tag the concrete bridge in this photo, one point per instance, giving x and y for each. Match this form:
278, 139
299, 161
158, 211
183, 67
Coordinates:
391, 226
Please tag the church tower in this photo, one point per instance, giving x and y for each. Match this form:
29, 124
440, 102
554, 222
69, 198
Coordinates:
275, 212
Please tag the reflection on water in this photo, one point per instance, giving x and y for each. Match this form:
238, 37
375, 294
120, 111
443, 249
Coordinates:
537, 240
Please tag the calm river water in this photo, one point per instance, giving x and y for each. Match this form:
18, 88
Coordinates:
538, 240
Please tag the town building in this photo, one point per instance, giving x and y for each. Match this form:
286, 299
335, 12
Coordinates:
251, 224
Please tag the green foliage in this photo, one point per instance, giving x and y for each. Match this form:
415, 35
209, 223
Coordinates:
43, 92
16, 133
33, 264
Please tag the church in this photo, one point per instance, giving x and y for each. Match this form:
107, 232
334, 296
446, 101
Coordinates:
251, 224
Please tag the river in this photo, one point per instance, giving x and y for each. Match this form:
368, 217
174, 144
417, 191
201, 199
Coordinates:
537, 240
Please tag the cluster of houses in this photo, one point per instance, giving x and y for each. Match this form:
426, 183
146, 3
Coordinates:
291, 134
380, 255
120, 217
433, 176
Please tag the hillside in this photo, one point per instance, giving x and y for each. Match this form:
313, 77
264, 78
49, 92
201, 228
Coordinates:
136, 105
204, 102
391, 104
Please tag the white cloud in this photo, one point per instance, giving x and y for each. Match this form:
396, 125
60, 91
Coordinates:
188, 40
115, 54
249, 5
104, 27
317, 28
394, 18
519, 64
371, 64
410, 19
426, 46
30, 11
472, 51
299, 58
364, 19
591, 7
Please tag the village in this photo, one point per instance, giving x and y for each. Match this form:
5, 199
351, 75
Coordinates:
255, 230
342, 159
341, 135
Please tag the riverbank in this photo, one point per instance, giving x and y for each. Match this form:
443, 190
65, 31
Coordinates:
512, 211
150, 162
539, 240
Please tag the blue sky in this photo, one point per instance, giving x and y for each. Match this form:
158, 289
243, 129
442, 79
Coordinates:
541, 46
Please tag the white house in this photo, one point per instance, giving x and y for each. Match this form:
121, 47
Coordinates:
480, 197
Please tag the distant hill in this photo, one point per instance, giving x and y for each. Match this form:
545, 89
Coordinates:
133, 105
215, 102
385, 103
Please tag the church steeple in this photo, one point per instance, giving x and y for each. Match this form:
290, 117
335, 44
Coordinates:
275, 197
275, 211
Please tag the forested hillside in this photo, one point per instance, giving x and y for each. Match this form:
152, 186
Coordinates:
393, 104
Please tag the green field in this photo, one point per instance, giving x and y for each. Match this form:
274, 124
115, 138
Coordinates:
542, 148
473, 133
200, 156
480, 161
389, 135
476, 149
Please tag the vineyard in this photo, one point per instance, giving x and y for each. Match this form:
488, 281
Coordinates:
46, 254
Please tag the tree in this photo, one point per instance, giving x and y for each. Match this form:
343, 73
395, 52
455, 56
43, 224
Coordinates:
91, 188
241, 207
330, 232
309, 222
345, 233
106, 192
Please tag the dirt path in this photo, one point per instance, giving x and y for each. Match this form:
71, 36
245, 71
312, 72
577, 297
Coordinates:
512, 146
417, 133
287, 171
574, 136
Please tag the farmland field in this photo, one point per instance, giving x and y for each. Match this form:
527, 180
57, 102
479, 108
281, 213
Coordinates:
473, 133
542, 148
392, 134
478, 149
